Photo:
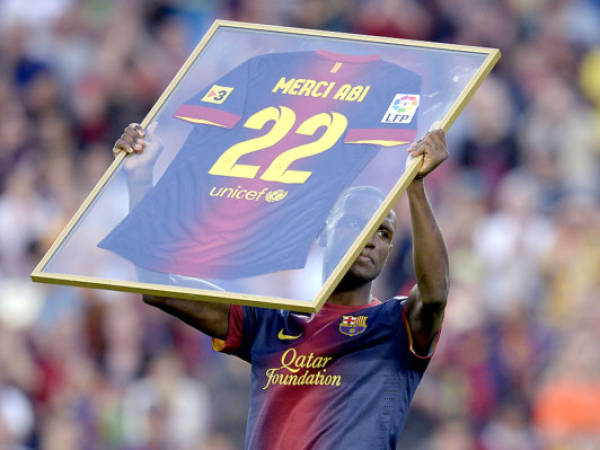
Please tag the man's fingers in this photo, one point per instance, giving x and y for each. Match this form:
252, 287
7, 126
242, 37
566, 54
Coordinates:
436, 142
134, 137
417, 151
424, 144
130, 143
415, 146
129, 138
134, 142
138, 128
133, 133
121, 144
433, 148
432, 138
432, 145
439, 137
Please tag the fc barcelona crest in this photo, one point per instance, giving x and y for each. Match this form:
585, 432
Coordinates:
352, 326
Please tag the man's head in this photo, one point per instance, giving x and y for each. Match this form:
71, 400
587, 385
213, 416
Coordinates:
351, 212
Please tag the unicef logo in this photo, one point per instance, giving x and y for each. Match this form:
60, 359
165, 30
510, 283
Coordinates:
275, 196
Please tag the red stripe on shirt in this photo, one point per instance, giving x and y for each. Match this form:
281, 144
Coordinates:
364, 135
196, 112
234, 331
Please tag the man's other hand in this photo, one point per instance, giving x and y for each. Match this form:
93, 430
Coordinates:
433, 148
142, 147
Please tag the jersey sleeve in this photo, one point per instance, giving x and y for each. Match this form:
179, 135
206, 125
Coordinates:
397, 314
235, 333
220, 104
432, 346
389, 115
243, 325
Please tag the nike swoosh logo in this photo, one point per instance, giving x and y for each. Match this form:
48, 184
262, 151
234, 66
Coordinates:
286, 337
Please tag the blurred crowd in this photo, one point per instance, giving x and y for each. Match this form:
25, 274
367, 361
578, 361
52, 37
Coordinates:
518, 364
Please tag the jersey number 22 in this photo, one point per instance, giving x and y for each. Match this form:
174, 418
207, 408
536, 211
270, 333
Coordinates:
284, 119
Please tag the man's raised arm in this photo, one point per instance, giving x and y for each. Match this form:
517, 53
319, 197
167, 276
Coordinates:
427, 299
143, 148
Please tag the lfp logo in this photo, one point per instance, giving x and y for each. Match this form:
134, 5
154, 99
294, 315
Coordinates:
402, 109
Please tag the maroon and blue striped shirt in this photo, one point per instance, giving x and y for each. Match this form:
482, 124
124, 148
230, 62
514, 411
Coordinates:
339, 379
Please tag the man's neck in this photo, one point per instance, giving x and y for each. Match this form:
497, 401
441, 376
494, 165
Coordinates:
352, 297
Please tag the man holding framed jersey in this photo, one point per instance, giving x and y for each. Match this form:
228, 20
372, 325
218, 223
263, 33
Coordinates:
344, 377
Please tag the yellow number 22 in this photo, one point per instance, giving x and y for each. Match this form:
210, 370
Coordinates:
284, 119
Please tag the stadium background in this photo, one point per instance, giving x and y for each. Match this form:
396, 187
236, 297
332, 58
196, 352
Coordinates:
518, 366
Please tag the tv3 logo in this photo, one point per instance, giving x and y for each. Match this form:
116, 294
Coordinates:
217, 94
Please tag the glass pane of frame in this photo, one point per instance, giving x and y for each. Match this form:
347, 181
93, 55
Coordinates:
273, 155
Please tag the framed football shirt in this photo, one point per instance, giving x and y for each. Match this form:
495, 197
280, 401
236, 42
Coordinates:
257, 136
275, 142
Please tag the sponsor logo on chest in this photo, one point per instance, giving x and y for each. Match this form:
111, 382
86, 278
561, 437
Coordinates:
300, 369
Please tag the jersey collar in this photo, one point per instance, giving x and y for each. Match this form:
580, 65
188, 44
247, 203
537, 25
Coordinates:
335, 308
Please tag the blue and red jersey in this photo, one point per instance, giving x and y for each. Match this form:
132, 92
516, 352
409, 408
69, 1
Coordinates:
339, 379
275, 142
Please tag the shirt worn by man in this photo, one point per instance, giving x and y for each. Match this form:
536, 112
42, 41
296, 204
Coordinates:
340, 379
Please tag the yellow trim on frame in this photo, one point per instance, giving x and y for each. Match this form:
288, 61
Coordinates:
401, 185
353, 36
171, 291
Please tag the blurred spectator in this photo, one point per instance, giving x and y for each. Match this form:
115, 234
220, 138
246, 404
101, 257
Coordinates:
452, 435
489, 148
165, 409
509, 430
24, 215
510, 243
572, 263
567, 401
16, 416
